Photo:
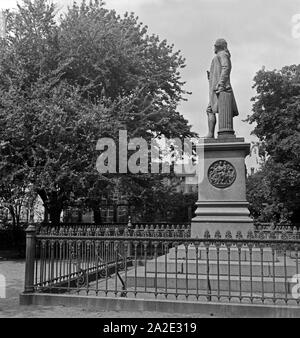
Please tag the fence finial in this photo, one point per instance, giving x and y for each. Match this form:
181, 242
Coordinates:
126, 232
228, 235
295, 233
129, 224
117, 233
79, 231
61, 231
239, 235
218, 234
250, 235
284, 235
261, 235
206, 234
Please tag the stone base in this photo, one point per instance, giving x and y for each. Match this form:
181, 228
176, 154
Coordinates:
222, 206
200, 282
223, 254
201, 307
223, 216
255, 268
259, 274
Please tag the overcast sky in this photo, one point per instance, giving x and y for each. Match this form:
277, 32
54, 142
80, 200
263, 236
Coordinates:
259, 33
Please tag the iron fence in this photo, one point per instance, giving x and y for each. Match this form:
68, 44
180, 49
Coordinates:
163, 227
275, 230
150, 262
166, 228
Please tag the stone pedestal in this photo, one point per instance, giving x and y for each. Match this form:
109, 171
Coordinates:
222, 203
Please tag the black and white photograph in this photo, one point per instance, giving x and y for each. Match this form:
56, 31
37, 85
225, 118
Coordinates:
149, 162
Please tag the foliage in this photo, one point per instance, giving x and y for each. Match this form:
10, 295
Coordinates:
276, 114
15, 196
160, 200
64, 84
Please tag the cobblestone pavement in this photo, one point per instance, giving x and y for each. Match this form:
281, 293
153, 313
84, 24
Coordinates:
13, 270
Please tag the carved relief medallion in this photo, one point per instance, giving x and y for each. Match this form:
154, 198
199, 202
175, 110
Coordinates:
221, 174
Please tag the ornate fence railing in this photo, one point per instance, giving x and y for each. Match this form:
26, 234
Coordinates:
275, 229
164, 264
132, 229
165, 227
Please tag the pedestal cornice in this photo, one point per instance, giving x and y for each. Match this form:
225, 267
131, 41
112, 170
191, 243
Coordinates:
224, 144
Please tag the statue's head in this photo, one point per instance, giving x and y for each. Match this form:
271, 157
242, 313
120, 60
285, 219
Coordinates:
220, 44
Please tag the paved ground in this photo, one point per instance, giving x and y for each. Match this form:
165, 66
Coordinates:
13, 270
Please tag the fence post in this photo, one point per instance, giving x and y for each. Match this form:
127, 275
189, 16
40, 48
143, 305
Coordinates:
129, 247
30, 256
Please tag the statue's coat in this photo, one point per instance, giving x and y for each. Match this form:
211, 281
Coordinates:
219, 81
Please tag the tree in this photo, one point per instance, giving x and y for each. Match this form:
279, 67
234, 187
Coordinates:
276, 113
113, 57
159, 200
65, 84
14, 197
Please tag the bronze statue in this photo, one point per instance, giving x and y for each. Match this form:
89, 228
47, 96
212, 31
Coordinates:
221, 97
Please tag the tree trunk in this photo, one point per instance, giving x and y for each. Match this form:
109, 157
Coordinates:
97, 215
18, 220
46, 214
12, 213
53, 206
54, 213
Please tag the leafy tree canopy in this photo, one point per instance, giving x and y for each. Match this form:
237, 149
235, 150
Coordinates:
65, 83
276, 114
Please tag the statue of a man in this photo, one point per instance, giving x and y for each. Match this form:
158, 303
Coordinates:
221, 97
